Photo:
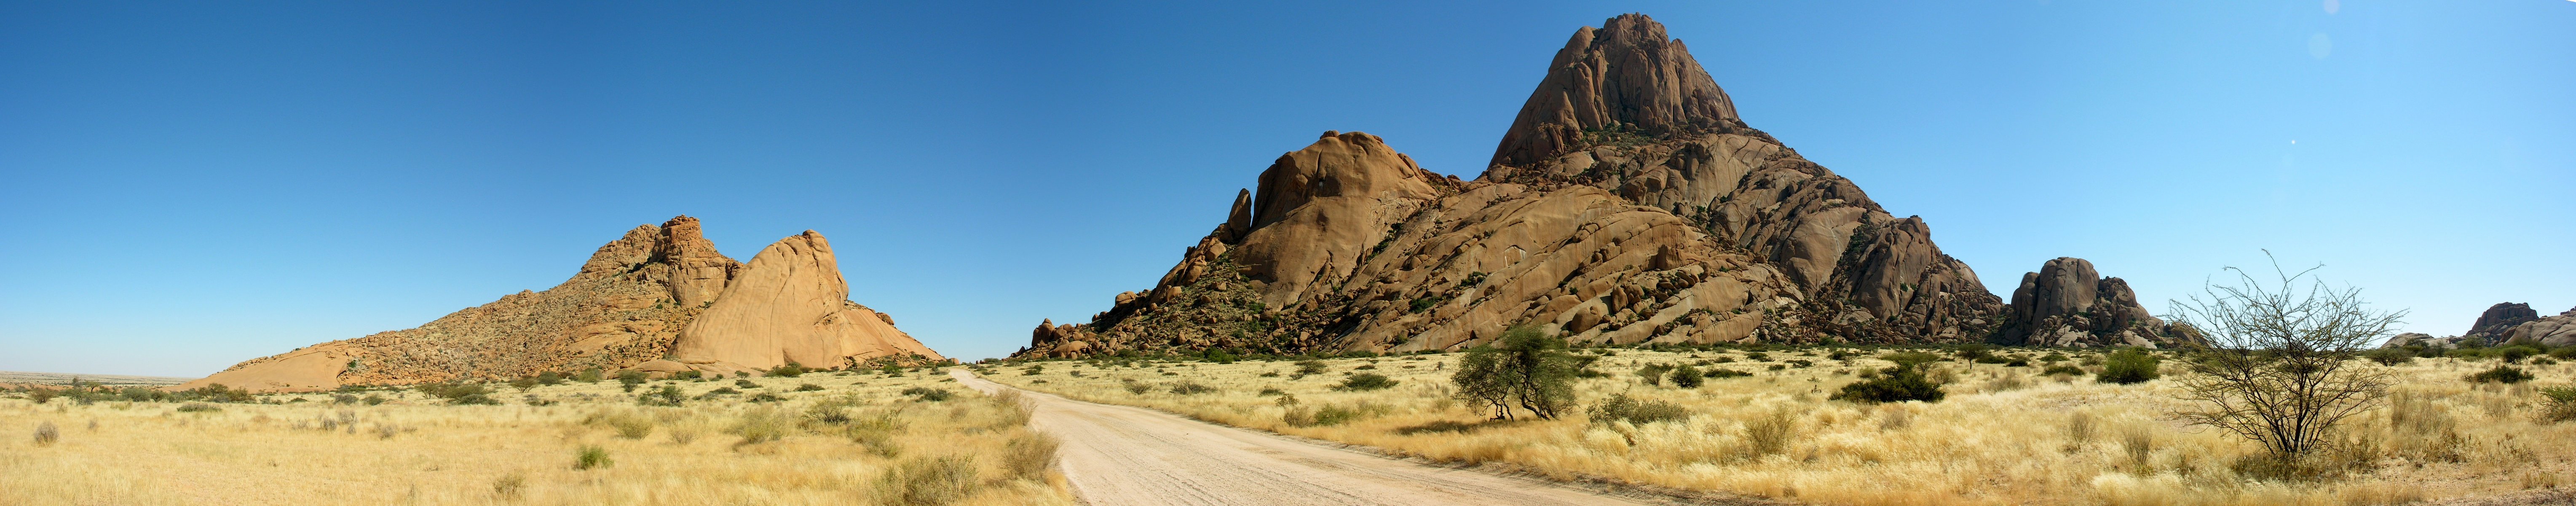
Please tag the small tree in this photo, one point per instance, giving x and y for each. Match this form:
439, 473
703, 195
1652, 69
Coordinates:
1525, 368
2128, 366
2282, 363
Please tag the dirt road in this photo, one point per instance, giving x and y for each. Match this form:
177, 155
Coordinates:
1120, 455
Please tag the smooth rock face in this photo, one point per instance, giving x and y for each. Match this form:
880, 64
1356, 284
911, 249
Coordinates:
1319, 208
789, 304
2067, 304
625, 307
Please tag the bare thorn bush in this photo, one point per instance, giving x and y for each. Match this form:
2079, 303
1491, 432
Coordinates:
2282, 365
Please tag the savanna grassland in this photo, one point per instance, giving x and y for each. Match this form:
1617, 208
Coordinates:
2002, 434
819, 438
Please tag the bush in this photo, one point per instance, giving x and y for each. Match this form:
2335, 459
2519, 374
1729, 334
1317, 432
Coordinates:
1308, 368
1898, 384
1687, 377
2515, 354
1619, 407
474, 399
523, 384
745, 383
2390, 356
629, 425
1653, 374
2128, 366
1720, 373
373, 399
2501, 374
760, 426
669, 395
2063, 369
1137, 387
47, 435
927, 481
1528, 369
2559, 403
928, 394
633, 377
1366, 381
588, 375
591, 456
765, 397
549, 378
791, 370
1191, 388
1033, 370
808, 387
1027, 456
42, 396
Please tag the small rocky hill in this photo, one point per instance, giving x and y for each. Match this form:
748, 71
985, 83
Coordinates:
1626, 203
2504, 324
655, 292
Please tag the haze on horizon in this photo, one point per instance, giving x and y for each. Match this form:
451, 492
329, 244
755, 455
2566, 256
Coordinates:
195, 185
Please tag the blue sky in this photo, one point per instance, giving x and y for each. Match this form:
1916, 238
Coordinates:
192, 184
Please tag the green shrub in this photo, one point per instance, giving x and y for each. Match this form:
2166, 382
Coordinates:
1366, 381
523, 384
745, 383
2063, 369
1137, 387
549, 378
41, 396
808, 387
764, 397
669, 395
1653, 374
588, 375
2515, 354
1897, 384
2564, 353
633, 377
1619, 407
591, 457
2558, 403
1721, 373
1687, 377
791, 370
1033, 370
2501, 374
1191, 388
1308, 368
2390, 356
2128, 366
1527, 369
373, 399
1910, 359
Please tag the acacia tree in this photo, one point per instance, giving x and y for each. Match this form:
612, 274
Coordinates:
1525, 368
2281, 365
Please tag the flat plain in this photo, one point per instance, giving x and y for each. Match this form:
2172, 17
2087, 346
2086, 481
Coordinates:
848, 439
2003, 435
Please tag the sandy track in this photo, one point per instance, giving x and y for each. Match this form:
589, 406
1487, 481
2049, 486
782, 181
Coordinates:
1121, 455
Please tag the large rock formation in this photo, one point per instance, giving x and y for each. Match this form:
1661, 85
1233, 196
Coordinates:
2498, 320
790, 305
2554, 331
2067, 304
627, 305
1626, 203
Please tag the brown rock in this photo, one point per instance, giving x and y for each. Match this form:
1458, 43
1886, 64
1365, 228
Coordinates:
789, 304
2067, 304
624, 307
2498, 320
1625, 77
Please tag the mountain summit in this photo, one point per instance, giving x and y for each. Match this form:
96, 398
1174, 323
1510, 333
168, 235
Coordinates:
1627, 203
654, 293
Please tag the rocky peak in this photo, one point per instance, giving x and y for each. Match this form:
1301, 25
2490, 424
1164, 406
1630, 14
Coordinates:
1317, 209
697, 272
2499, 319
2067, 303
1625, 78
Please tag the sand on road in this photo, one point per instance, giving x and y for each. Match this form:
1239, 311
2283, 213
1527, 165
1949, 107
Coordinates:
1122, 455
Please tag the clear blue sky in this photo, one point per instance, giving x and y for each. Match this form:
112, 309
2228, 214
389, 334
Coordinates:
193, 184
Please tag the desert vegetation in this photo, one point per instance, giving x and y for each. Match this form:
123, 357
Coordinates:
895, 437
1853, 425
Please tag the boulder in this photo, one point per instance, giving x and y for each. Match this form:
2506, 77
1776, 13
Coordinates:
2552, 332
2498, 320
2067, 303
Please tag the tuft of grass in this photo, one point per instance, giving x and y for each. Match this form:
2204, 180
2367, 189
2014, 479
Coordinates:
809, 387
1028, 456
760, 426
628, 424
591, 457
198, 407
1191, 388
47, 435
927, 481
1364, 382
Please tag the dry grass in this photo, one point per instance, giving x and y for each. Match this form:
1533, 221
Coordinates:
2004, 435
418, 451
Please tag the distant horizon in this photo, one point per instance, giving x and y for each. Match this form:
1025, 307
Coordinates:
204, 185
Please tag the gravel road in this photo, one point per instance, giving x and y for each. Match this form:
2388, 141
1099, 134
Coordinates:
1121, 455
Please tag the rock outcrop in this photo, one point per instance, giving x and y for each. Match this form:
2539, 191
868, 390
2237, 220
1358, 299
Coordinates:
790, 305
2067, 304
2553, 332
1626, 203
626, 306
2498, 320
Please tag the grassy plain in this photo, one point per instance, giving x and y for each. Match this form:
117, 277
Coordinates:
2004, 435
856, 440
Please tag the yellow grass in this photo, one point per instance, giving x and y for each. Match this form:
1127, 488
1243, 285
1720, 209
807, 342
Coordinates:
2003, 436
414, 450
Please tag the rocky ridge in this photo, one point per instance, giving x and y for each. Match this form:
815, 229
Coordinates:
1627, 203
630, 304
2504, 324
